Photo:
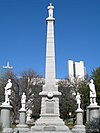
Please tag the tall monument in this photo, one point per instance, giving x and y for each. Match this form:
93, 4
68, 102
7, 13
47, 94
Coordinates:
49, 120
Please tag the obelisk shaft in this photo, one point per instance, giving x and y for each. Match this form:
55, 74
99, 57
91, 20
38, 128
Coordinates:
50, 54
50, 74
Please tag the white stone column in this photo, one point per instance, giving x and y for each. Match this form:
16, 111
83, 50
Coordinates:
5, 118
79, 117
22, 117
79, 127
22, 126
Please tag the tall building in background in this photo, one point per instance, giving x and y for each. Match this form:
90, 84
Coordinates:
76, 70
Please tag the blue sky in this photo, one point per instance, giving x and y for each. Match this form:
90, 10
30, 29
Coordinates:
23, 34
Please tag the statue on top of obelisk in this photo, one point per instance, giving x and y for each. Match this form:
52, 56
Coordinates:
50, 10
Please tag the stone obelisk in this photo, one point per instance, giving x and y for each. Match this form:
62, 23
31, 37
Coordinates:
49, 120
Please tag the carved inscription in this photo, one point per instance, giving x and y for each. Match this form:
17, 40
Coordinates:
49, 107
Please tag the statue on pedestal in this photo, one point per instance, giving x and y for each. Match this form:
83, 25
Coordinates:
29, 112
23, 100
78, 99
50, 10
92, 93
8, 92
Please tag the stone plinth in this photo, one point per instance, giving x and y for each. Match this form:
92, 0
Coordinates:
93, 111
50, 132
5, 118
22, 127
79, 117
50, 120
51, 124
79, 127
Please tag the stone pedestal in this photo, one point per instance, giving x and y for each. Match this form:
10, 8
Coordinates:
49, 124
79, 127
5, 118
50, 131
93, 111
22, 127
50, 120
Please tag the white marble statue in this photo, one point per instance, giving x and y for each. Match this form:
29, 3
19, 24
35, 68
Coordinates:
23, 100
50, 10
92, 93
8, 92
29, 112
78, 99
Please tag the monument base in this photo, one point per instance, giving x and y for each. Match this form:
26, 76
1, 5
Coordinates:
50, 132
21, 128
49, 125
93, 111
30, 122
5, 117
7, 130
79, 129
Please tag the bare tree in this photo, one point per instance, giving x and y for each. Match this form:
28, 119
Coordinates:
31, 83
